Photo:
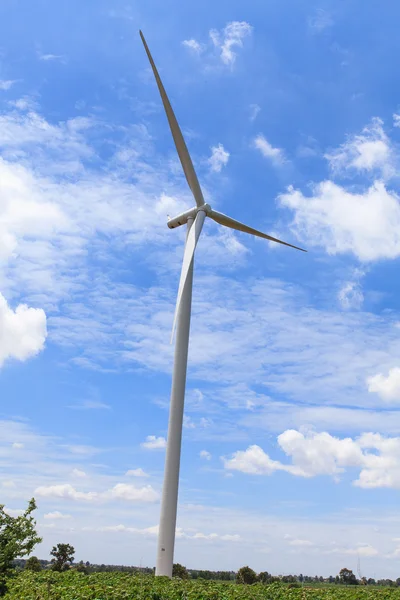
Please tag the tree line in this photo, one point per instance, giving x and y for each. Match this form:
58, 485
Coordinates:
246, 575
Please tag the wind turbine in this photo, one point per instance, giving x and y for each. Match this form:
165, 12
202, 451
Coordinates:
194, 219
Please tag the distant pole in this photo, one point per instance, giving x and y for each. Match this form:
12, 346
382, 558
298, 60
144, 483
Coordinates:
169, 500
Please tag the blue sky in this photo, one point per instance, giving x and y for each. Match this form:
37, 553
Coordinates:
291, 442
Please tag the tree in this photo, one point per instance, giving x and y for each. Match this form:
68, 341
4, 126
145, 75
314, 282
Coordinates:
246, 575
18, 538
264, 577
82, 568
63, 557
180, 571
33, 564
347, 577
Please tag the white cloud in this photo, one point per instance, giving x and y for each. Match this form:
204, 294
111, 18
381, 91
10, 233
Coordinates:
320, 21
305, 354
5, 84
230, 37
8, 484
396, 120
188, 422
276, 155
23, 212
154, 443
388, 388
66, 491
13, 512
319, 453
315, 454
125, 491
350, 295
179, 533
300, 543
25, 127
211, 537
255, 461
218, 159
82, 450
120, 491
56, 516
90, 405
78, 473
17, 445
137, 473
309, 148
365, 224
23, 332
365, 550
49, 57
254, 111
193, 45
205, 454
371, 150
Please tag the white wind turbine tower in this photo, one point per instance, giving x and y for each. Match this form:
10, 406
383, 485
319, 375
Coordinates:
194, 219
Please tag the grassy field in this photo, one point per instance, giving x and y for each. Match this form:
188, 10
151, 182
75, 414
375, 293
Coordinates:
119, 586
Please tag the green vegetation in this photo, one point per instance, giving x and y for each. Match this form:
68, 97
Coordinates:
18, 538
73, 585
246, 575
63, 557
180, 571
33, 564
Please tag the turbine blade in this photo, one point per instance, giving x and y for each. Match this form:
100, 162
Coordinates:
190, 246
228, 222
180, 144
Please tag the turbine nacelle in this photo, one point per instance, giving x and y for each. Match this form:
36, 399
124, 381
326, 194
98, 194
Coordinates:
183, 218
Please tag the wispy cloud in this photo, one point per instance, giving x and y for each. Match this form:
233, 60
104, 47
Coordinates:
226, 42
205, 455
5, 84
194, 46
320, 21
154, 443
371, 150
275, 155
90, 405
78, 473
219, 158
350, 294
254, 111
56, 515
229, 38
51, 57
136, 473
121, 491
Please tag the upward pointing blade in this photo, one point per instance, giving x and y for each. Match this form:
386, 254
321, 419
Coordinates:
190, 246
181, 148
228, 222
